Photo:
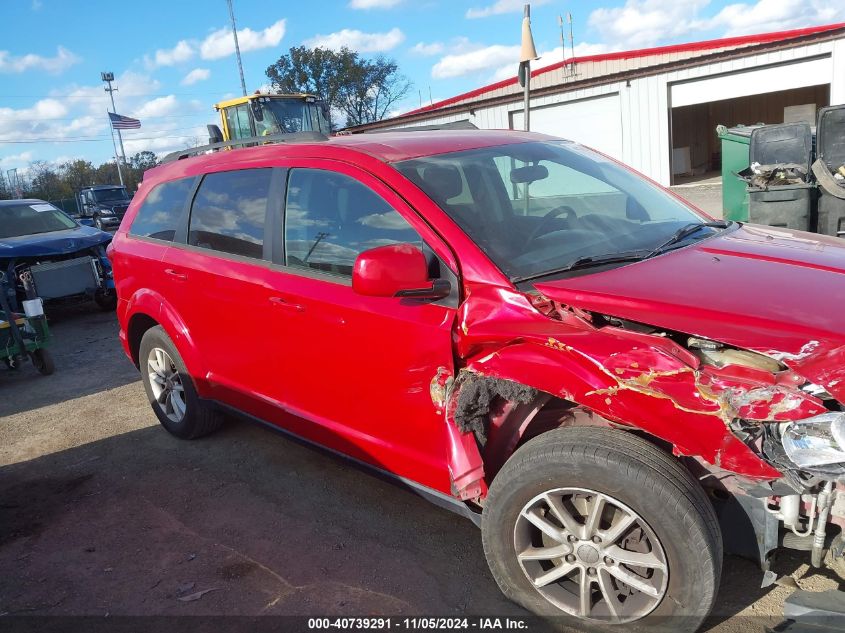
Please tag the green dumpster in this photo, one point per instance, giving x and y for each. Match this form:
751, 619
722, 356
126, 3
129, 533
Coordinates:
735, 142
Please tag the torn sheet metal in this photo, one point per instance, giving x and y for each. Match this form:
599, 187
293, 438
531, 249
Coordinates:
634, 378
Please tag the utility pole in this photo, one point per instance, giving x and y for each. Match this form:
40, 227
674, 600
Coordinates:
108, 77
237, 48
527, 53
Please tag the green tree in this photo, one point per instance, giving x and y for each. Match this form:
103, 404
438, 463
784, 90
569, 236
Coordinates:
143, 161
77, 173
358, 89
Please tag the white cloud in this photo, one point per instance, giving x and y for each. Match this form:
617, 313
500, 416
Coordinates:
640, 23
63, 60
220, 43
197, 74
15, 161
182, 52
473, 61
771, 15
433, 48
645, 23
373, 4
501, 6
358, 40
547, 58
158, 107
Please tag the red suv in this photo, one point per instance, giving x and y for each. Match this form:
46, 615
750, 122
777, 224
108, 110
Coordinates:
614, 386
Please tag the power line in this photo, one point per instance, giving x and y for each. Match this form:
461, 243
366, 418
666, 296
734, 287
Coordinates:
73, 118
92, 140
128, 94
93, 137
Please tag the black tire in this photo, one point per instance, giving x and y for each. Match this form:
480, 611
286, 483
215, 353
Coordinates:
43, 361
200, 417
106, 301
639, 475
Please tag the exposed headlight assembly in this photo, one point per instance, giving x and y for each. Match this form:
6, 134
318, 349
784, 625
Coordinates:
816, 441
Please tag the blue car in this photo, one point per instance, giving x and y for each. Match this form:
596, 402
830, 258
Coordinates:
67, 261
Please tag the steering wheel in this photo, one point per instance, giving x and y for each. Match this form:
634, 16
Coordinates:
564, 208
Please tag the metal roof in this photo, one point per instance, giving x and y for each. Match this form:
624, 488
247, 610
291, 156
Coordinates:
575, 72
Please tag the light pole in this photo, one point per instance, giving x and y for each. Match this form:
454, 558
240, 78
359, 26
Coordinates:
237, 48
108, 77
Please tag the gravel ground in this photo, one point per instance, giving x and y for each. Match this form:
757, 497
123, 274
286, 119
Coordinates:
102, 512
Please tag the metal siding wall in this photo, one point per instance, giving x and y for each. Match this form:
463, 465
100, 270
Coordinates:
645, 127
837, 83
645, 103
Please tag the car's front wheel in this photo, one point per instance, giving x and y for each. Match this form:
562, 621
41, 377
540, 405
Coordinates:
106, 300
170, 389
601, 525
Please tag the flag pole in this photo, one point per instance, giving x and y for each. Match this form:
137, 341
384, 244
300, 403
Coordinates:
108, 78
116, 159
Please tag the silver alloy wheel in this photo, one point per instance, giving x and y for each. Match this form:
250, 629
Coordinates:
590, 555
166, 385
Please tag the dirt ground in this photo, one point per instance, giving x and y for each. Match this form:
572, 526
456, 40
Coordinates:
102, 512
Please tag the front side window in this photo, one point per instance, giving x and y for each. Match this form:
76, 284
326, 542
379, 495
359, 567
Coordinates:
237, 120
161, 210
229, 212
330, 218
32, 218
537, 208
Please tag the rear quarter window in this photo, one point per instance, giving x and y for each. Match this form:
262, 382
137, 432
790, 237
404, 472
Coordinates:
161, 210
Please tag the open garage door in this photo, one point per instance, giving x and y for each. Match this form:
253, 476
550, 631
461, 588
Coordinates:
777, 94
595, 122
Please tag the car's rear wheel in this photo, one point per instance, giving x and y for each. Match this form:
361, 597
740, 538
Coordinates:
170, 389
600, 525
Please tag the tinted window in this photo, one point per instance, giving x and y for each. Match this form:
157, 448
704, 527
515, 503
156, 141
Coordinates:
330, 218
160, 212
229, 210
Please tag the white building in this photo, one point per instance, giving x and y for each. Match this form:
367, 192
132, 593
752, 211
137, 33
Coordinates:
657, 109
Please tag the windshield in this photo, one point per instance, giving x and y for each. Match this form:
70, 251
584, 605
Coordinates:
110, 195
29, 219
289, 116
538, 207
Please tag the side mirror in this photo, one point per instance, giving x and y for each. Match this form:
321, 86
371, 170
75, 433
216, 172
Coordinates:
214, 134
396, 270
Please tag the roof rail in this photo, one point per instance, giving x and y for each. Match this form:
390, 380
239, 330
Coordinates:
291, 137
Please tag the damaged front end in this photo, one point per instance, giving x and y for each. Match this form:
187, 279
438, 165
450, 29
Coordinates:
754, 427
83, 273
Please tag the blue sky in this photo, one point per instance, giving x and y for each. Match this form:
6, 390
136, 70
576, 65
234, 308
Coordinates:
173, 60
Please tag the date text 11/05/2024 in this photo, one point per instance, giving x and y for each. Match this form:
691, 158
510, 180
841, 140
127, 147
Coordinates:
420, 623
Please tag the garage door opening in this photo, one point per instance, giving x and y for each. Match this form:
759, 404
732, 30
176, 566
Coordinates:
696, 149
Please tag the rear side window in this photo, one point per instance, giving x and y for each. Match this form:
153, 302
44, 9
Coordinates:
161, 210
229, 211
330, 218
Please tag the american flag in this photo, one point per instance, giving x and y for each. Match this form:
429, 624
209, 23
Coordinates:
120, 122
